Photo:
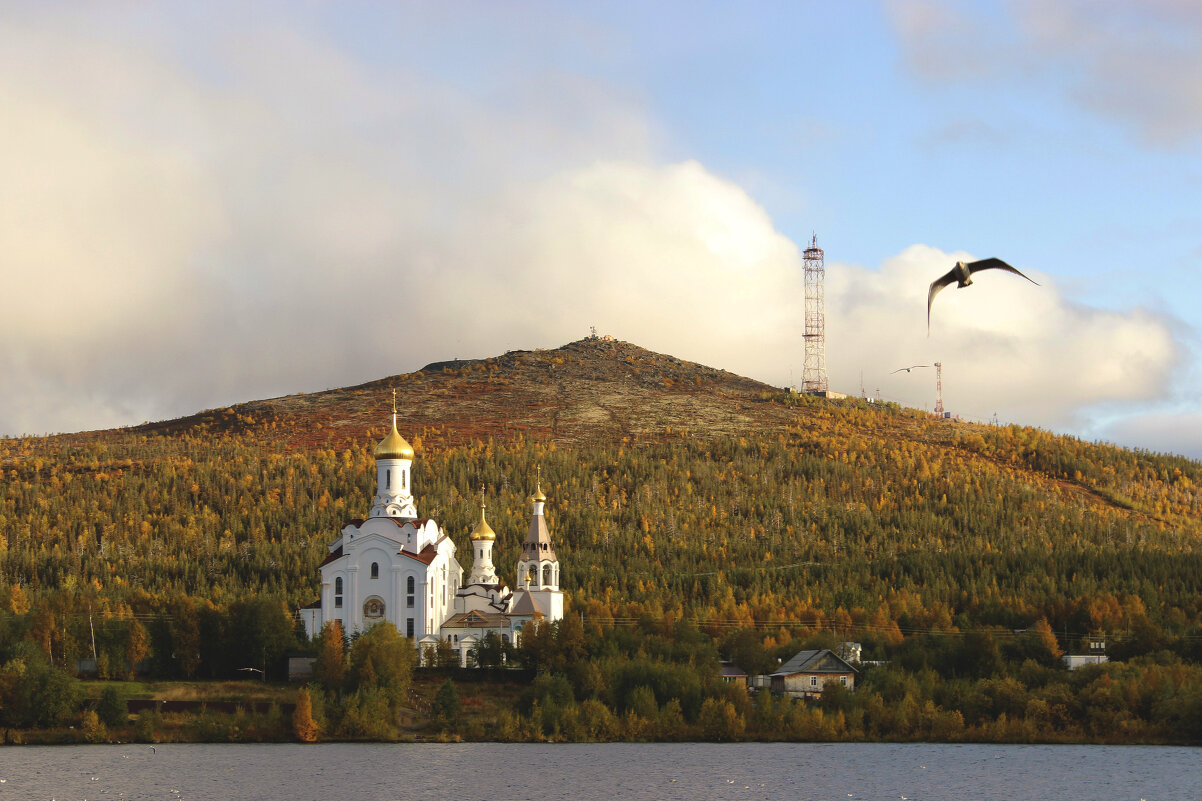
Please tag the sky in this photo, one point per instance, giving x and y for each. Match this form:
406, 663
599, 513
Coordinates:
202, 204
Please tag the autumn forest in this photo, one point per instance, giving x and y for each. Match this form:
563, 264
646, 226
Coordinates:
698, 517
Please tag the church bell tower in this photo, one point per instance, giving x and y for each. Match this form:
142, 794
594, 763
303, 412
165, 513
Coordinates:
394, 492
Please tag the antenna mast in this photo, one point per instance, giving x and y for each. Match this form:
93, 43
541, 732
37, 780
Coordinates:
813, 377
939, 389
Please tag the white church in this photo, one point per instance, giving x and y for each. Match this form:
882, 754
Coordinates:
397, 567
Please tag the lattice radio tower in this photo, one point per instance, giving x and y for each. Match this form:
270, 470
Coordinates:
939, 389
813, 376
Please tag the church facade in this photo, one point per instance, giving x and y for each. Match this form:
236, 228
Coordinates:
397, 567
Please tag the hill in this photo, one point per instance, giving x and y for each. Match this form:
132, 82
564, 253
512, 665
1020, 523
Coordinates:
694, 512
592, 390
677, 490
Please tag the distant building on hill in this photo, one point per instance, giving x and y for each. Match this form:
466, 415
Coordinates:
730, 673
1096, 654
394, 566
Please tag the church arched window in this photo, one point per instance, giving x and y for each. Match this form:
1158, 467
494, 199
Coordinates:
375, 570
338, 592
409, 585
532, 575
547, 576
388, 479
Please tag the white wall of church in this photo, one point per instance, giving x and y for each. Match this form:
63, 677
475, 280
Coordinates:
397, 568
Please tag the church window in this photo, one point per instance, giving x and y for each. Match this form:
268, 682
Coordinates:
402, 479
338, 592
547, 575
409, 627
532, 574
388, 479
375, 570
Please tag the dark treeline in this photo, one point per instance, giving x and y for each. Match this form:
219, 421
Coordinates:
658, 680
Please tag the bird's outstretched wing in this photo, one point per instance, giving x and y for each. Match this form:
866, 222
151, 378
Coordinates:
992, 264
936, 286
908, 369
971, 267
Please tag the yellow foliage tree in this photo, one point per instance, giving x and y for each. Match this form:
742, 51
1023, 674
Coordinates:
137, 648
303, 724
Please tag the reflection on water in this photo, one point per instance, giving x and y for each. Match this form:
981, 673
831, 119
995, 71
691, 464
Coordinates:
631, 772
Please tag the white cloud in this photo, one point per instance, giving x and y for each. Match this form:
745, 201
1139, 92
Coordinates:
190, 235
669, 257
1006, 345
304, 220
1162, 432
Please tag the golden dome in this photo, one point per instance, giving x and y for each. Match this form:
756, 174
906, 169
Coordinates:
483, 531
394, 445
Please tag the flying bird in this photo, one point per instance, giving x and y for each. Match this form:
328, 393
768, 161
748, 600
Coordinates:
911, 367
962, 272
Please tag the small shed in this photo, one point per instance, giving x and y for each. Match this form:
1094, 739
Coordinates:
300, 668
1075, 661
730, 673
808, 672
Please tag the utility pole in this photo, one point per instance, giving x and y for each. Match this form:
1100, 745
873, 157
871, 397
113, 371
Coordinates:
92, 629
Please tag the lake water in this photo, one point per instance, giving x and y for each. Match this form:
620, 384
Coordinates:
498, 772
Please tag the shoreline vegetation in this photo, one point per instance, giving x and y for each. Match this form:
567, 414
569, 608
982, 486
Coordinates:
649, 682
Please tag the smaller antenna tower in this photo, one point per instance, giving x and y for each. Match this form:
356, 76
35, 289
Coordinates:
939, 389
813, 377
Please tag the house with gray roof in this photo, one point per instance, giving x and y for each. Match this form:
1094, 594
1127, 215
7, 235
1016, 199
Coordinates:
808, 672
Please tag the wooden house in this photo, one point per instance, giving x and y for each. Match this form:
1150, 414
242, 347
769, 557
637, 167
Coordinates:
808, 672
